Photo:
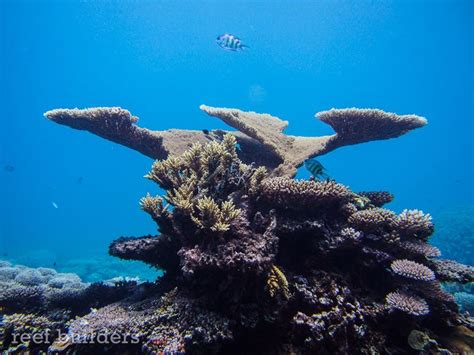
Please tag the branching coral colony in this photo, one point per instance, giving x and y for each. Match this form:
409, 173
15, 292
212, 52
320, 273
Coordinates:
259, 263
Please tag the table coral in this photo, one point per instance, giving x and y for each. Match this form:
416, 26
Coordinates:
261, 137
407, 303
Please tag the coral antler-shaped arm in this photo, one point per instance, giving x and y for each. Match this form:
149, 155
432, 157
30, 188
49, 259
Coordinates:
118, 125
261, 137
352, 126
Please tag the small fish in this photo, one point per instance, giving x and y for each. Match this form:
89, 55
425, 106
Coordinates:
80, 180
205, 131
230, 43
55, 205
316, 169
9, 168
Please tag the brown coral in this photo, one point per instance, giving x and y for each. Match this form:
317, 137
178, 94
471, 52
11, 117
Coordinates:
260, 137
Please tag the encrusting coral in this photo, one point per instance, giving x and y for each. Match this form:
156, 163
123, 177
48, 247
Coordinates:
256, 262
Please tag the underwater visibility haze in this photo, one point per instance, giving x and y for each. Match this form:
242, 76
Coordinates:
307, 167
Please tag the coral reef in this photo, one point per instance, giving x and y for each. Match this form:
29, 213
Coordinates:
280, 260
256, 262
96, 266
39, 302
260, 136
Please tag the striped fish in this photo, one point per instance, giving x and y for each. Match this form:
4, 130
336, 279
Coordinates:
316, 169
229, 42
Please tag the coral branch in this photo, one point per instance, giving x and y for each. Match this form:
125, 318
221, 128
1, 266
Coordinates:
260, 136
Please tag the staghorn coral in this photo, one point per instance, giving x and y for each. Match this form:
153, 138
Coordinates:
412, 270
335, 247
214, 217
153, 205
407, 303
277, 283
260, 136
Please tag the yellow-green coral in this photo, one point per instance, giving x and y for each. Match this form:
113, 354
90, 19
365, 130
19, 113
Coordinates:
206, 164
153, 205
214, 217
257, 177
166, 173
277, 283
182, 197
199, 183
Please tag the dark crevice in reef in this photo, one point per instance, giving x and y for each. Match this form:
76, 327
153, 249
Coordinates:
256, 262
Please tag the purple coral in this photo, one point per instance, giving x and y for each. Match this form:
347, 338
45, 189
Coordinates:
377, 198
449, 270
413, 305
412, 270
414, 223
420, 248
293, 194
373, 220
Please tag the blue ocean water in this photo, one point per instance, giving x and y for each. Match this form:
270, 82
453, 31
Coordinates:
159, 60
